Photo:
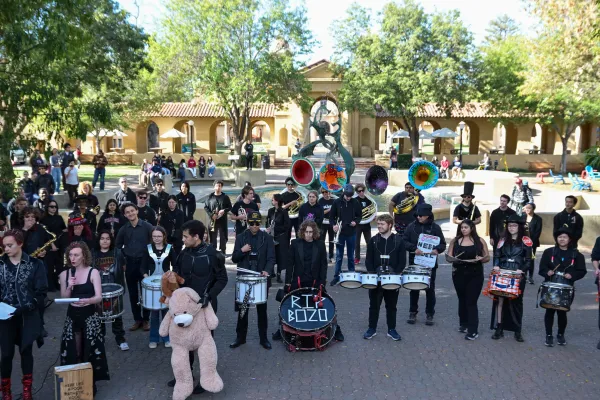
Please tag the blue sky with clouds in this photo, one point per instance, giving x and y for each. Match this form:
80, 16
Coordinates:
475, 13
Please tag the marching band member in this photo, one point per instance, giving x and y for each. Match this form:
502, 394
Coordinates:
248, 205
466, 209
217, 206
203, 270
513, 252
186, 201
278, 220
423, 224
385, 252
55, 223
307, 265
86, 189
467, 275
111, 220
160, 255
172, 221
159, 199
571, 219
16, 218
290, 198
565, 259
311, 210
133, 240
145, 213
109, 263
533, 227
345, 212
82, 210
596, 263
364, 229
498, 218
79, 231
254, 250
327, 228
124, 194
22, 286
82, 339
256, 198
403, 215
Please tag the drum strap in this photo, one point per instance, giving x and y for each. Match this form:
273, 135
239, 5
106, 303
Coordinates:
244, 305
158, 262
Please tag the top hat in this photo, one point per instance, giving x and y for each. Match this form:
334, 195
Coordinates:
81, 197
468, 189
254, 217
424, 210
515, 219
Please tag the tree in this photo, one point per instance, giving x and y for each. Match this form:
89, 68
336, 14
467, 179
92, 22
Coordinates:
51, 53
236, 53
501, 29
414, 58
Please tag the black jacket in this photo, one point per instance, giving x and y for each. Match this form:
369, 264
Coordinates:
282, 221
573, 221
187, 204
497, 219
411, 237
393, 247
265, 252
311, 212
345, 211
566, 261
158, 202
147, 214
534, 228
513, 256
172, 221
44, 181
127, 196
35, 238
220, 202
202, 270
312, 275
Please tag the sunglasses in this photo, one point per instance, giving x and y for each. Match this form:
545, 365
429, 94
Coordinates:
142, 198
359, 191
52, 207
159, 184
254, 223
290, 184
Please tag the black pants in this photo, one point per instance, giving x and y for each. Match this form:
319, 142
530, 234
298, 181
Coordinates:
53, 261
468, 282
221, 232
549, 321
294, 224
242, 323
327, 230
72, 192
376, 296
11, 332
134, 279
117, 329
532, 263
364, 230
429, 294
249, 159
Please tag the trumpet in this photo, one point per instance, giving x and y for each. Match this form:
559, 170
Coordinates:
212, 220
336, 239
407, 204
46, 245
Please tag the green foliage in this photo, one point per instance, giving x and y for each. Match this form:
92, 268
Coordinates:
501, 28
592, 157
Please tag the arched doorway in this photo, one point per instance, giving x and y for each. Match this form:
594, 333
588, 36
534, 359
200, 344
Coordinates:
220, 137
261, 133
152, 135
283, 137
384, 136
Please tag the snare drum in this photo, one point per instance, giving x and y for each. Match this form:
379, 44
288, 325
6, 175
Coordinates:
350, 280
251, 288
151, 293
390, 281
415, 277
112, 302
505, 283
369, 281
556, 296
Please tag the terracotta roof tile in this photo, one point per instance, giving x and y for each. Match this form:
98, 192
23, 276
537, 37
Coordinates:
431, 110
207, 110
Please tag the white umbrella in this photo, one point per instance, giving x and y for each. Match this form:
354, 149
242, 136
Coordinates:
445, 133
116, 133
400, 134
423, 134
99, 133
173, 134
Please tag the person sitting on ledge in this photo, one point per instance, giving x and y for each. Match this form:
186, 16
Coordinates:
456, 167
444, 165
485, 163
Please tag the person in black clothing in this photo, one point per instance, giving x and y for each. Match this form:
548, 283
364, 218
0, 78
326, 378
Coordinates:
561, 264
82, 210
423, 225
203, 270
256, 195
311, 210
172, 221
467, 275
277, 225
570, 219
158, 199
217, 206
145, 213
242, 209
513, 253
404, 215
307, 266
385, 254
42, 200
497, 219
596, 264
28, 187
3, 216
67, 157
86, 190
327, 228
345, 216
79, 231
55, 223
35, 235
253, 250
133, 240
16, 218
22, 286
109, 263
362, 229
124, 194
186, 202
533, 228
111, 220
291, 198
44, 180
249, 148
466, 209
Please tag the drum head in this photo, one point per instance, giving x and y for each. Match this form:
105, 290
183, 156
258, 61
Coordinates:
152, 281
113, 288
299, 311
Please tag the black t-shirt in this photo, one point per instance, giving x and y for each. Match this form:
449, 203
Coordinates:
364, 203
249, 148
326, 204
288, 197
221, 202
462, 212
240, 226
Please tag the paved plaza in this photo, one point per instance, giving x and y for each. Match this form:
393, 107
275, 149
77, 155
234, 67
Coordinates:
429, 362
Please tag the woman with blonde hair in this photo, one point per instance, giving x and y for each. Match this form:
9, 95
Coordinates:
86, 189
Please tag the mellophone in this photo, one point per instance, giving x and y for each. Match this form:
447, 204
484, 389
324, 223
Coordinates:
414, 277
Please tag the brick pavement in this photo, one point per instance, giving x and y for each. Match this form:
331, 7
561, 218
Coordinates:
429, 361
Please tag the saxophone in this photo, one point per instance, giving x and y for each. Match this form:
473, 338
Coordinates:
46, 245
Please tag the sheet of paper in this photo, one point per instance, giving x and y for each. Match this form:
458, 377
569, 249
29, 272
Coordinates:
66, 300
5, 310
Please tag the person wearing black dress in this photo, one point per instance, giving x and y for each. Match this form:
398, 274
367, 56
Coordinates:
111, 220
561, 264
186, 202
533, 227
467, 276
278, 225
172, 221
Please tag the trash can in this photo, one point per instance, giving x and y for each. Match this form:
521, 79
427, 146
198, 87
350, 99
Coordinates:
266, 161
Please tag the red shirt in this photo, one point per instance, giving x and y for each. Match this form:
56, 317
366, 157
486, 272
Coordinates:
445, 163
191, 163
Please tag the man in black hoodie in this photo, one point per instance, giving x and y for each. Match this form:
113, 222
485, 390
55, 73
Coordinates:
124, 194
345, 216
570, 219
145, 213
424, 224
44, 180
158, 200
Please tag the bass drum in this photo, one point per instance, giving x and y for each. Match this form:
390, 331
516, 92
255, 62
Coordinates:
307, 320
293, 211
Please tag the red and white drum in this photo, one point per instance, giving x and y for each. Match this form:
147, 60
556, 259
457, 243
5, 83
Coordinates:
504, 283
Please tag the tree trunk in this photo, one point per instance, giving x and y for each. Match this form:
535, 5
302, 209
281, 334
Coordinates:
7, 173
563, 158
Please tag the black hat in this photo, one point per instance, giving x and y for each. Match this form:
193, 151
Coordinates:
348, 190
468, 189
254, 216
515, 219
81, 197
563, 230
424, 210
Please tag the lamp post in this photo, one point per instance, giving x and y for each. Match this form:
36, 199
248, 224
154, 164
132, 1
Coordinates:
461, 125
191, 128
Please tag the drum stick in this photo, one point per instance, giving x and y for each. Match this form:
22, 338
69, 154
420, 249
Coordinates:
248, 271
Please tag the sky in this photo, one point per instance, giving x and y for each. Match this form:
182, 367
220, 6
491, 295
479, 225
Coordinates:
476, 15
